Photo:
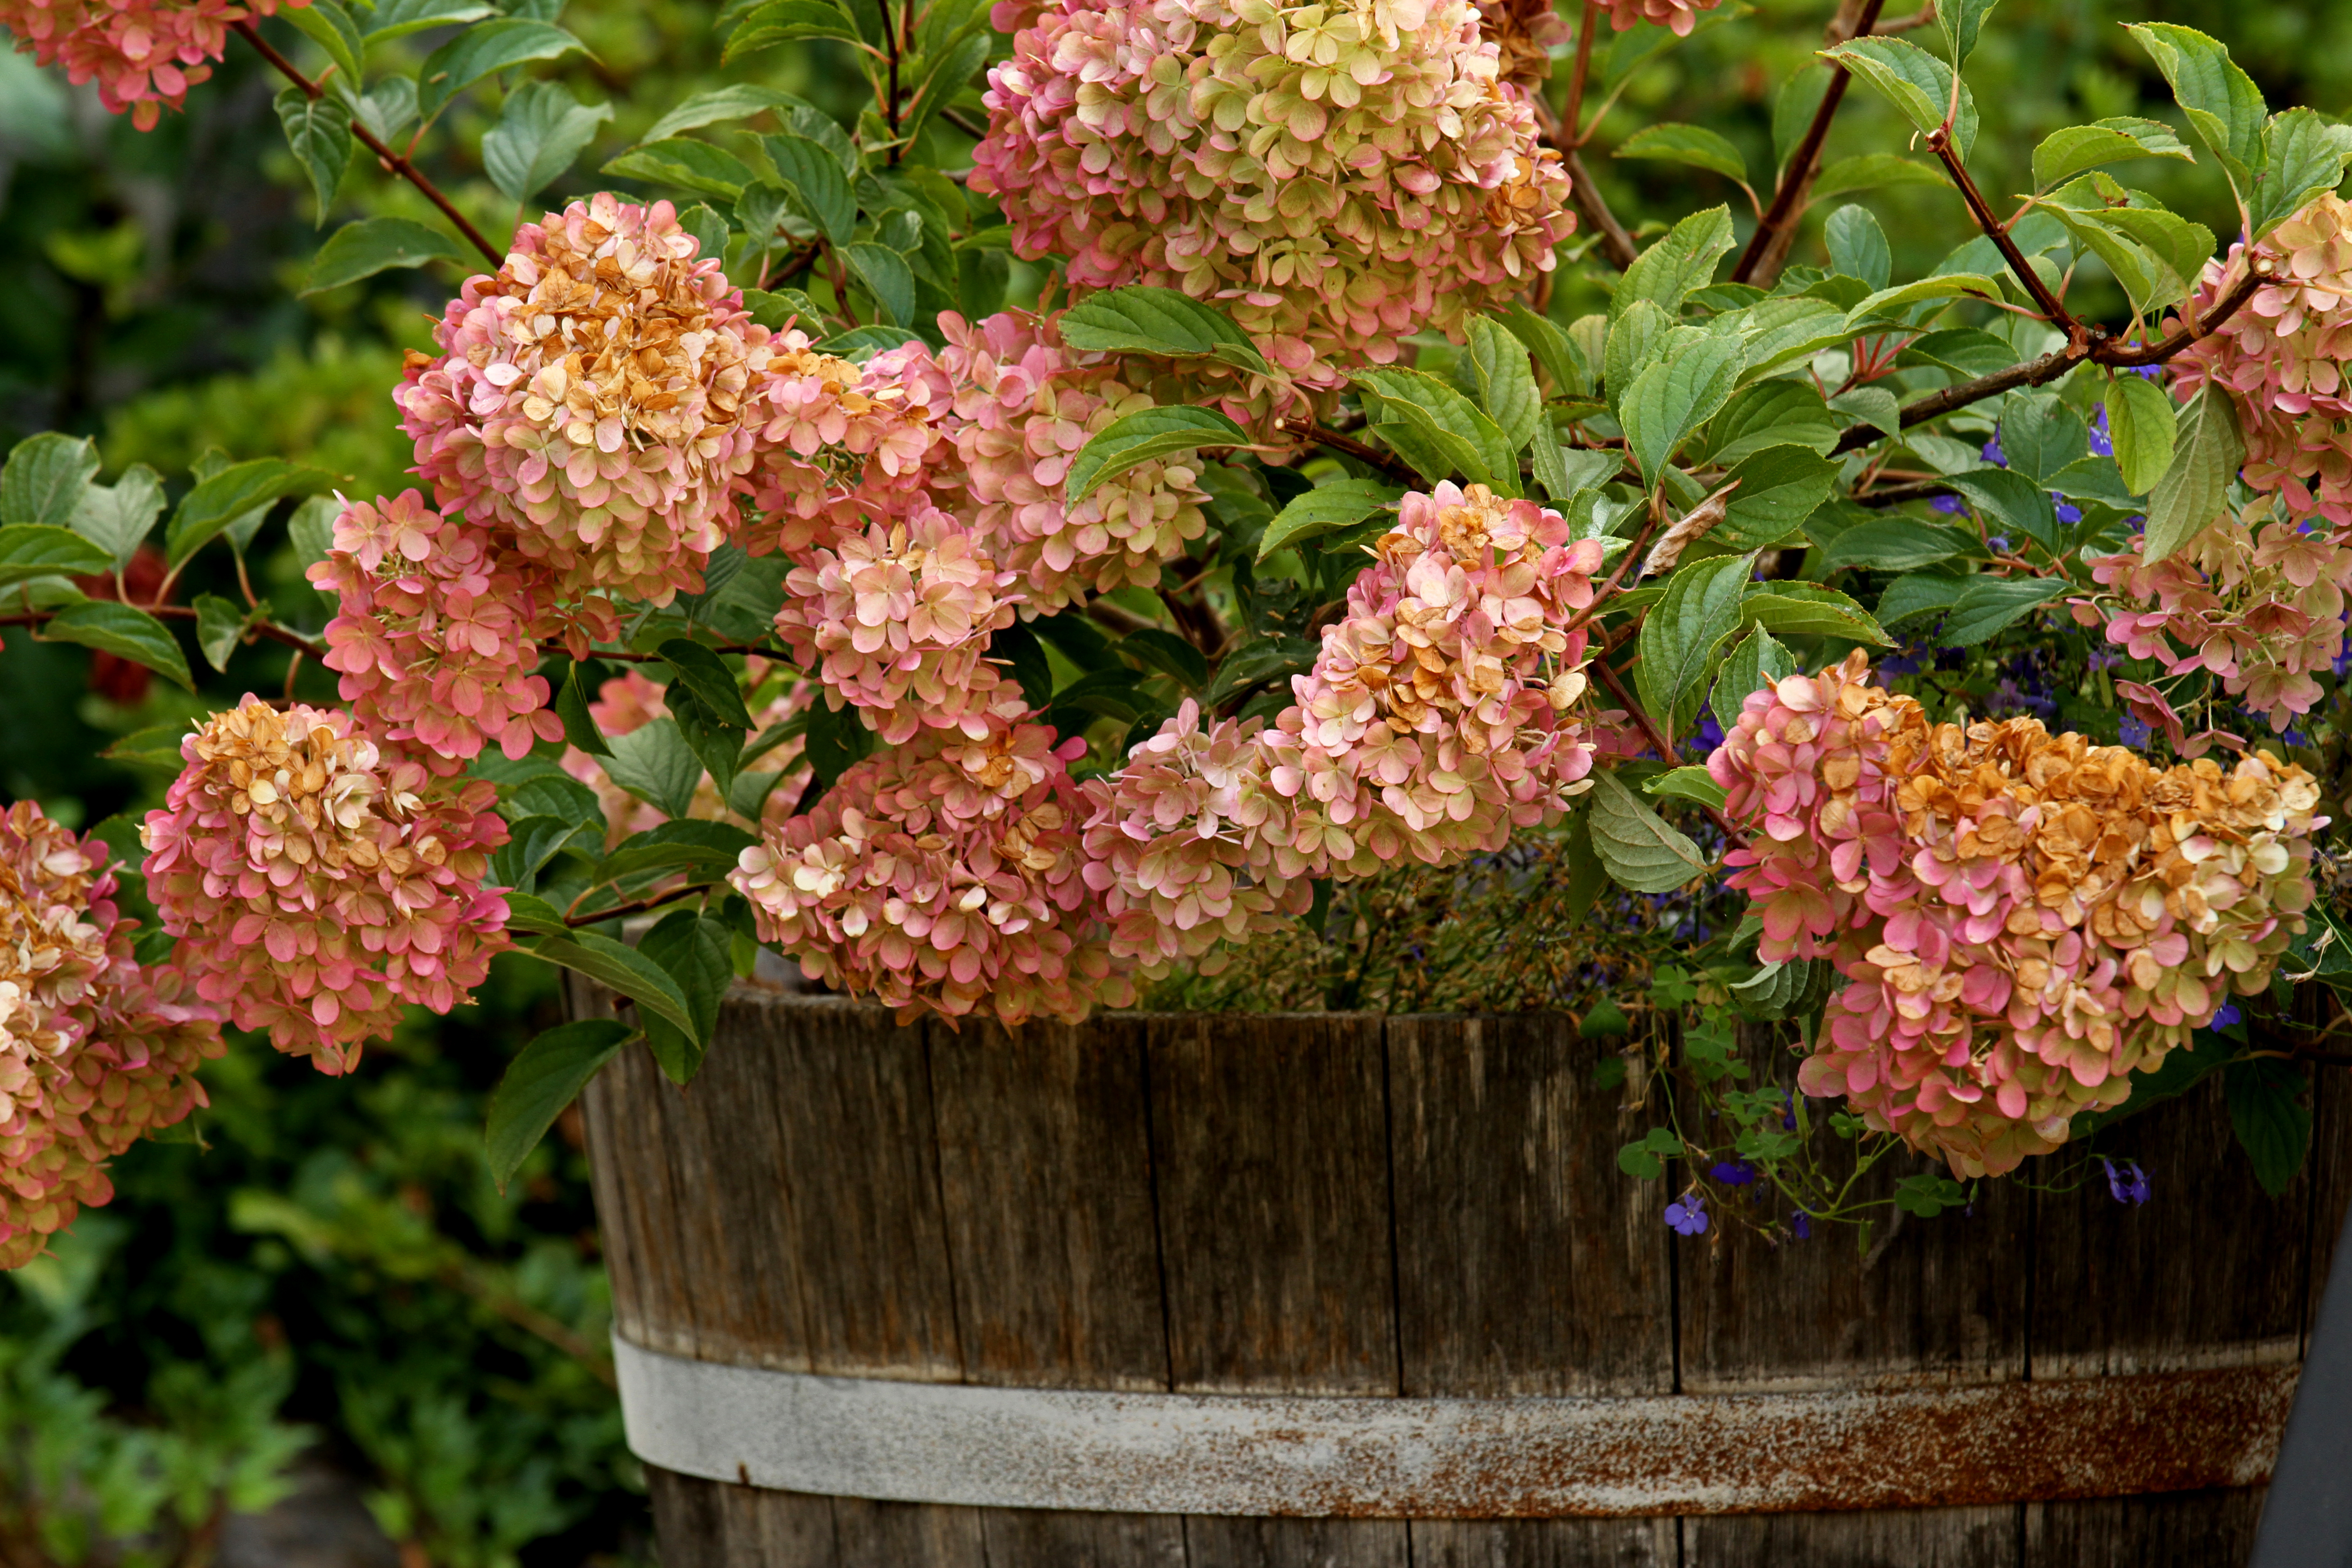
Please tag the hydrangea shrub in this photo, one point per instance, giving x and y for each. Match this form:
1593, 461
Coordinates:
1341, 490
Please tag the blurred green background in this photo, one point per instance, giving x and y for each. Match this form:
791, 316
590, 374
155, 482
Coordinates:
315, 1292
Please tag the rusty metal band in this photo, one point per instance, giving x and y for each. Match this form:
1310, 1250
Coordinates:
1462, 1459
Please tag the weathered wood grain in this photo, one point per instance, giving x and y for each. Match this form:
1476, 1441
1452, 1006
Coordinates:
2330, 1186
1047, 1538
2175, 1529
1544, 1543
708, 1524
1269, 1142
626, 1112
1526, 1262
1915, 1538
1045, 1176
1296, 1544
917, 1534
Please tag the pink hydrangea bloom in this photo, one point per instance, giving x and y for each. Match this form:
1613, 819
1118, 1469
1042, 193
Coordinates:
317, 883
2024, 919
95, 1051
1335, 176
1441, 714
844, 443
1025, 404
434, 641
896, 620
1678, 16
2257, 602
589, 400
943, 875
629, 701
142, 54
2284, 356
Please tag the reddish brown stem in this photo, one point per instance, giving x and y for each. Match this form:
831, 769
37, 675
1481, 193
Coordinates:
395, 162
1797, 179
1939, 141
1657, 738
1572, 117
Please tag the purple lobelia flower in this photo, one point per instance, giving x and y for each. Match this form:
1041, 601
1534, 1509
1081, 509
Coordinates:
1688, 1213
2130, 1183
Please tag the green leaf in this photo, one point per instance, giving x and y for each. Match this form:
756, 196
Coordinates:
229, 495
546, 1076
1670, 270
1778, 489
1961, 20
2009, 501
219, 625
706, 675
1771, 414
1675, 397
1888, 302
46, 478
2268, 1114
1146, 436
1872, 405
571, 705
2302, 156
698, 950
1343, 503
618, 968
532, 843
1783, 990
2095, 478
1919, 84
813, 178
709, 849
1554, 349
1804, 609
886, 277
318, 131
1919, 595
1453, 435
2071, 151
118, 518
1895, 544
2205, 459
1165, 654
737, 101
30, 549
784, 21
376, 244
1692, 144
949, 73
124, 630
541, 130
836, 742
1157, 321
389, 109
682, 164
1504, 382
2224, 107
1754, 660
1637, 847
1682, 631
1989, 605
653, 763
2156, 256
485, 50
1966, 352
398, 18
1872, 172
1691, 783
2040, 435
330, 26
1858, 246
2145, 424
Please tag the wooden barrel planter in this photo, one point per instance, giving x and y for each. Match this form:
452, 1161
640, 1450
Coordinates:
1353, 1291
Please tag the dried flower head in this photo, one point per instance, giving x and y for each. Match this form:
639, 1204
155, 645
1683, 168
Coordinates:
95, 1051
318, 882
841, 444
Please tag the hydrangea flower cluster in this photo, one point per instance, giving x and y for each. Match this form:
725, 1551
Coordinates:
1677, 16
844, 443
895, 620
1025, 404
434, 640
2282, 356
2256, 601
589, 400
95, 1051
944, 875
1441, 714
317, 882
1336, 176
628, 701
143, 54
2025, 919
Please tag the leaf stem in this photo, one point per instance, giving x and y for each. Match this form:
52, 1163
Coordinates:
1939, 141
1571, 116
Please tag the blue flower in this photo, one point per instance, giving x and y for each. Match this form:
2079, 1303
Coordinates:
2295, 737
2225, 1015
1998, 542
2133, 731
1787, 1111
2129, 1185
1802, 1225
2068, 514
1993, 454
1687, 1214
1950, 506
1733, 1172
2147, 372
2103, 444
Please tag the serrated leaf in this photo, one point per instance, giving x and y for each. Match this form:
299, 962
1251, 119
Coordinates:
1918, 594
1505, 381
2206, 454
1918, 83
2302, 156
545, 1077
388, 110
682, 164
1966, 352
1961, 21
219, 624
46, 477
2268, 1114
1895, 544
1751, 662
330, 26
485, 50
653, 763
2040, 435
1554, 349
204, 511
2011, 502
1804, 609
1872, 172
737, 101
1783, 990
1675, 397
375, 245
1691, 783
785, 21
124, 630
571, 705
814, 179
398, 18
30, 549
1343, 503
1638, 847
2144, 423
948, 73
617, 968
1683, 633
541, 132
2067, 152
1692, 144
1447, 423
319, 132
1633, 342
1858, 246
697, 949
2224, 107
1988, 605
706, 675
1669, 271
886, 277
1779, 488
1771, 413
1148, 434
1887, 302
118, 518
1157, 321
